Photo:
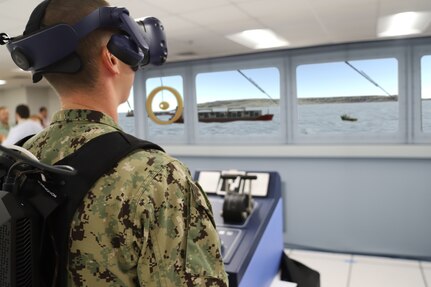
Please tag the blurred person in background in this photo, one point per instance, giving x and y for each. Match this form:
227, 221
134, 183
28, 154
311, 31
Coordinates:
25, 126
43, 114
4, 123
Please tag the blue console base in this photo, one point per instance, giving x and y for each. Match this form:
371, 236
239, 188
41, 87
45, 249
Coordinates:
252, 250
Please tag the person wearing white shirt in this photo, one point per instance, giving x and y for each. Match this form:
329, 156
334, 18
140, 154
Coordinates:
25, 126
43, 113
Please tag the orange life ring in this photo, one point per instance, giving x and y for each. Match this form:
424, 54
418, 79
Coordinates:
179, 110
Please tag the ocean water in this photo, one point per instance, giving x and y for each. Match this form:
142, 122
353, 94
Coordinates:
371, 117
426, 116
126, 123
313, 119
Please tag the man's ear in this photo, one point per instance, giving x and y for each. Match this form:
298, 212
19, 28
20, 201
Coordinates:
110, 62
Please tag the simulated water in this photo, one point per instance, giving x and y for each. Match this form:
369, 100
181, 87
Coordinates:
313, 119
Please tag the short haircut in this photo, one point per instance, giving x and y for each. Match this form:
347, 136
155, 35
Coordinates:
71, 12
42, 109
2, 108
23, 111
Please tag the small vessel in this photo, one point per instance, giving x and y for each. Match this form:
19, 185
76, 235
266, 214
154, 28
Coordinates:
231, 115
346, 117
130, 112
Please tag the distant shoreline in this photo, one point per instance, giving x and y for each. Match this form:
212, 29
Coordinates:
246, 103
343, 100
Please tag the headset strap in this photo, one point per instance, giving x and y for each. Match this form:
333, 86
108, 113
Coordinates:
35, 22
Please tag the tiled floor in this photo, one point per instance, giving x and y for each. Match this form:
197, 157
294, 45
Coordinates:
344, 270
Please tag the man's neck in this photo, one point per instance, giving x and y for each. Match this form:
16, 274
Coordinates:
90, 102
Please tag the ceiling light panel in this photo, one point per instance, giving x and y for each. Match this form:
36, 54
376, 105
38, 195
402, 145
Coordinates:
259, 39
405, 23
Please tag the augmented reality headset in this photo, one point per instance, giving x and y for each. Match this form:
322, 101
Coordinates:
52, 49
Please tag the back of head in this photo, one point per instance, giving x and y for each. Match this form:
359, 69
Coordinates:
71, 12
23, 111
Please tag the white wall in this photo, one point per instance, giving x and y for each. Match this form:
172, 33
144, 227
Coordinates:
11, 98
34, 97
42, 96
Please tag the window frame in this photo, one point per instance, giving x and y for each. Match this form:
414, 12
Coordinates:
407, 52
266, 62
330, 56
141, 115
417, 134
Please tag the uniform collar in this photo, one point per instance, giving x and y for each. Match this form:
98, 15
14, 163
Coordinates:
84, 116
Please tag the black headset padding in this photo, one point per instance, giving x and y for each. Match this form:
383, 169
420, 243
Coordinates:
35, 21
122, 47
34, 24
70, 64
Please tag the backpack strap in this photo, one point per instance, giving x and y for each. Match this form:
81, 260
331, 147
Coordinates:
91, 161
22, 141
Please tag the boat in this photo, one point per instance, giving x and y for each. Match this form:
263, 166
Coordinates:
346, 117
231, 115
130, 112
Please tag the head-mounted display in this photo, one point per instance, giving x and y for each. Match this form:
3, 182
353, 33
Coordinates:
52, 49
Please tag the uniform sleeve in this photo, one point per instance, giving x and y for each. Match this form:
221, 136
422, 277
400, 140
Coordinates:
182, 246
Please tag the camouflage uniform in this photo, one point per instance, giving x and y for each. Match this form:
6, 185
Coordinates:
145, 223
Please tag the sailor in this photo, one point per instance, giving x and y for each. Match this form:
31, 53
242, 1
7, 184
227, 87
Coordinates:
146, 222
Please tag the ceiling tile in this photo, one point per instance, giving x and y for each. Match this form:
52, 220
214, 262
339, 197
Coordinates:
389, 7
216, 15
139, 8
177, 24
271, 8
232, 27
299, 31
198, 29
180, 7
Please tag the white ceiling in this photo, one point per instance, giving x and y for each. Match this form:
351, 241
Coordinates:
197, 28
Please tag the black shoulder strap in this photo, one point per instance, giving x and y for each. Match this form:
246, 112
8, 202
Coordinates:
22, 141
96, 157
91, 161
101, 154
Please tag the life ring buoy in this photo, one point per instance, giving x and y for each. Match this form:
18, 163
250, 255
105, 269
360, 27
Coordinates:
179, 110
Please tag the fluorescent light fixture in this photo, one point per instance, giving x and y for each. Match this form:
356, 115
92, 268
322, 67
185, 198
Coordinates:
258, 39
2, 82
401, 24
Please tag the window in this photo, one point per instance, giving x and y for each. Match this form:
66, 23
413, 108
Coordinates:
125, 115
243, 102
426, 93
348, 97
164, 106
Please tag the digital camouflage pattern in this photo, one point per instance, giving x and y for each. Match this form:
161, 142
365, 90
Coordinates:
145, 223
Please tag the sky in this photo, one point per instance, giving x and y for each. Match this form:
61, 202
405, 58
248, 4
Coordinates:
313, 80
426, 77
338, 79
